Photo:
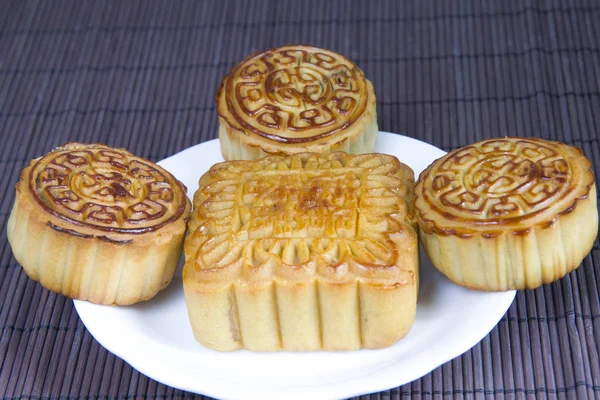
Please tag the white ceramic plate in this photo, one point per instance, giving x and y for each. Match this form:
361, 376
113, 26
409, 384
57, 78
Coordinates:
156, 338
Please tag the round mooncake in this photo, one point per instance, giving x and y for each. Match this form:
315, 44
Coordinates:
99, 224
507, 213
295, 99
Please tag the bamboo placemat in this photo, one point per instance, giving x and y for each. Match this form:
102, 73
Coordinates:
142, 75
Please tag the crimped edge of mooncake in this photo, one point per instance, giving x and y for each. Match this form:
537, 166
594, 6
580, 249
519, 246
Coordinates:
510, 261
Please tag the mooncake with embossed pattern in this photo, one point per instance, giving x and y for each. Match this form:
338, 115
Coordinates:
99, 224
295, 99
302, 252
507, 213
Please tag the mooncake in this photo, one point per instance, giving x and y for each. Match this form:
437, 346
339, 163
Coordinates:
507, 213
302, 252
99, 224
295, 99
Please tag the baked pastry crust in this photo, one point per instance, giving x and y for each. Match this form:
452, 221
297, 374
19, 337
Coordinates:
507, 213
302, 252
295, 99
99, 224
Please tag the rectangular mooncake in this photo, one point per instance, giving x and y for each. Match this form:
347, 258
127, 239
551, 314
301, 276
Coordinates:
302, 252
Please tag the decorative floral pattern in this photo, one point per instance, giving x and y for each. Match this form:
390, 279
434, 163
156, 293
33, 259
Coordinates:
291, 210
107, 189
296, 91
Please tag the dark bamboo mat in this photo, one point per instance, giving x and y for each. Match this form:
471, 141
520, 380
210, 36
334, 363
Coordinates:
142, 75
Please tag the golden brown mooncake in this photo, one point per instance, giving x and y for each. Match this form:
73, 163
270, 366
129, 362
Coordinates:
302, 252
507, 213
99, 224
295, 99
